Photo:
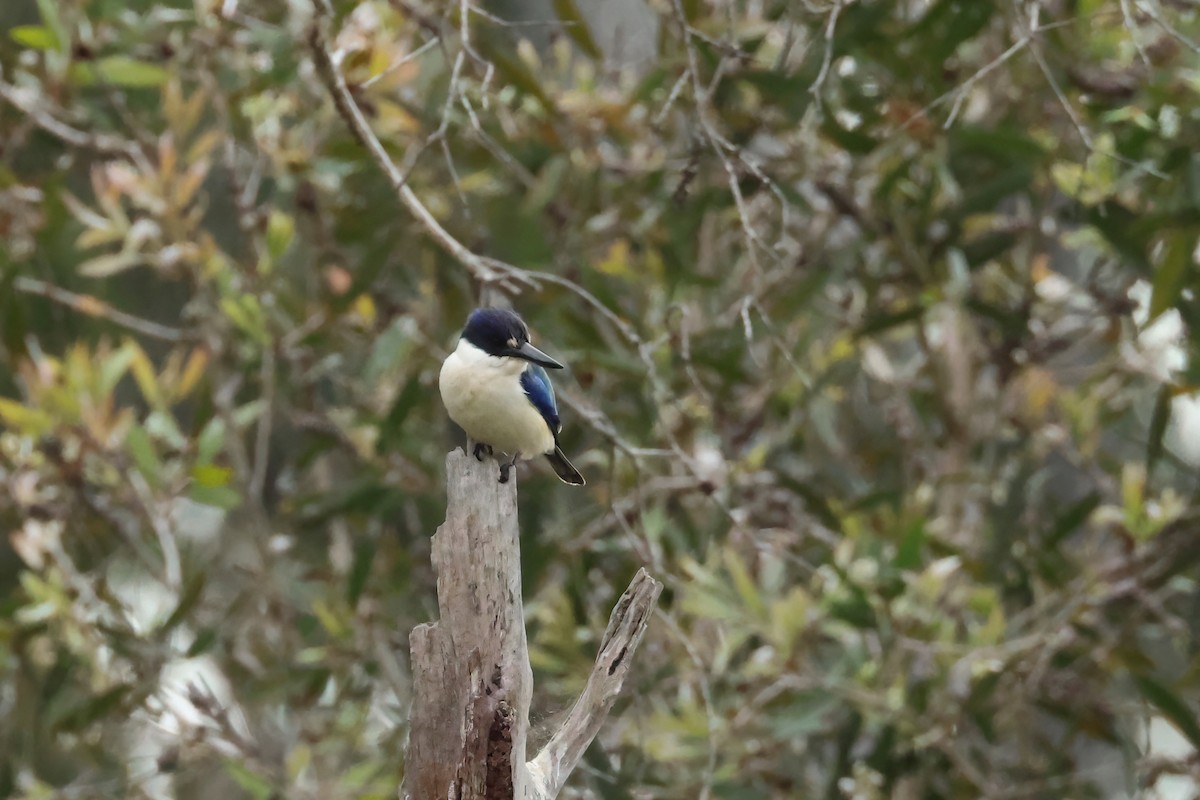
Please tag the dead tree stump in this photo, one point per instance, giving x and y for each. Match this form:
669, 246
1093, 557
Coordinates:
471, 677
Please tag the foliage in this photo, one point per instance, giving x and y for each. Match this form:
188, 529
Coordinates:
879, 315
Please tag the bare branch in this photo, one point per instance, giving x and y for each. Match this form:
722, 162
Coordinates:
625, 629
400, 62
104, 144
960, 93
262, 435
1155, 11
1131, 26
827, 59
1036, 49
95, 307
484, 269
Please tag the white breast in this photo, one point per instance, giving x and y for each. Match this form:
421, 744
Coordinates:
483, 396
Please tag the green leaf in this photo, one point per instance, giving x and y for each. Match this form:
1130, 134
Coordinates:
1004, 144
204, 641
987, 247
30, 421
364, 557
281, 228
162, 426
1072, 518
815, 503
246, 414
1193, 180
788, 93
807, 713
34, 36
54, 23
1125, 231
332, 618
908, 554
1171, 275
258, 787
364, 494
94, 708
1158, 427
514, 71
691, 9
947, 25
211, 440
224, 497
737, 791
362, 776
210, 475
878, 323
247, 314
853, 141
745, 585
391, 352
549, 185
141, 450
119, 71
109, 264
113, 369
577, 28
1172, 707
985, 195
187, 600
389, 429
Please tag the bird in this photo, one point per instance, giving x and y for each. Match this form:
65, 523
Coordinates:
496, 388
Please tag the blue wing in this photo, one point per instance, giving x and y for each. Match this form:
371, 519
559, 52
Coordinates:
536, 384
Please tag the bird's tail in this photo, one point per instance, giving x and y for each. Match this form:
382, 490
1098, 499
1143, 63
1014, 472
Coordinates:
563, 468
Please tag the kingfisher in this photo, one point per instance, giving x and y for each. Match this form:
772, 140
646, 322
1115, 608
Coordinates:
496, 388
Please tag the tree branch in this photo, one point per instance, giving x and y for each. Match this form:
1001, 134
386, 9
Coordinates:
486, 270
95, 307
625, 628
101, 143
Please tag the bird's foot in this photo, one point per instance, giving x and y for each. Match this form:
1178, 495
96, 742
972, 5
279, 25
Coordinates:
506, 467
481, 450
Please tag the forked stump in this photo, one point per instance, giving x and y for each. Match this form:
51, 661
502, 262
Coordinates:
471, 677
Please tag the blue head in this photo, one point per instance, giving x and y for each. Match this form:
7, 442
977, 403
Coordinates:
501, 333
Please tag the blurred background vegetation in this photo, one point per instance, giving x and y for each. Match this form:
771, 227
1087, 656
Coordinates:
881, 316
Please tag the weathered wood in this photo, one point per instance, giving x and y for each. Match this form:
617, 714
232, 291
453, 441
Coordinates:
471, 676
549, 771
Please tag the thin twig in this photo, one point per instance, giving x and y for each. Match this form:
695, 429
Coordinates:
485, 270
104, 144
400, 62
960, 93
726, 150
1036, 49
262, 439
1131, 26
161, 525
95, 307
1172, 31
676, 90
827, 59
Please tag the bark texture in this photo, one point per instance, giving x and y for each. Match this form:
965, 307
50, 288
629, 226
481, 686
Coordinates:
471, 676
